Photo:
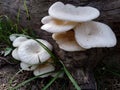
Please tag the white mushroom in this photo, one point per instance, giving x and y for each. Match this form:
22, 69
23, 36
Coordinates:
15, 54
32, 52
28, 67
66, 41
46, 19
18, 41
12, 37
46, 43
69, 12
42, 69
94, 34
55, 25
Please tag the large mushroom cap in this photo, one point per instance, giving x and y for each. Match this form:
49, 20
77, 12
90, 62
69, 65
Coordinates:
94, 34
71, 13
32, 53
66, 41
53, 25
18, 41
28, 67
42, 69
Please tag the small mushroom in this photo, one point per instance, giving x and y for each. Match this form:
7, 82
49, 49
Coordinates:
53, 25
28, 67
15, 54
66, 41
12, 37
42, 69
69, 12
32, 52
18, 41
46, 19
94, 34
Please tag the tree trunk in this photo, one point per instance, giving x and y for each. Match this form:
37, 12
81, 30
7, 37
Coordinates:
80, 64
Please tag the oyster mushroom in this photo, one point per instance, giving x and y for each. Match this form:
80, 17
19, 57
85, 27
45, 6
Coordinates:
28, 67
15, 54
31, 52
44, 68
69, 12
94, 34
12, 37
85, 34
53, 25
65, 17
18, 41
46, 19
66, 41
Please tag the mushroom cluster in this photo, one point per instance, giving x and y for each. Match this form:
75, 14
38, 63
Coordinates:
74, 30
33, 57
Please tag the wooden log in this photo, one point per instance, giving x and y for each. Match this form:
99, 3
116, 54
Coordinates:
80, 64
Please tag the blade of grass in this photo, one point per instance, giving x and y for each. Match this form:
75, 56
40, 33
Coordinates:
114, 73
27, 81
53, 79
18, 16
26, 9
70, 77
11, 80
56, 60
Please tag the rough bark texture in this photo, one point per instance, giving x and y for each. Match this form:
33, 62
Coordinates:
80, 64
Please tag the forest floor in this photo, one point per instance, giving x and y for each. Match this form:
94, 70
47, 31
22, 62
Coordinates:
106, 72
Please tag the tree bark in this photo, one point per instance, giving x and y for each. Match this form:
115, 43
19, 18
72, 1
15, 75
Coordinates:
80, 64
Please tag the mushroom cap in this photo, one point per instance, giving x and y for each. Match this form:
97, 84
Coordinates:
46, 19
32, 53
94, 34
66, 41
15, 54
46, 43
69, 12
12, 37
55, 25
42, 69
28, 67
18, 41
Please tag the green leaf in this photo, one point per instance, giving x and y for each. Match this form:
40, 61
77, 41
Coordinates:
7, 51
